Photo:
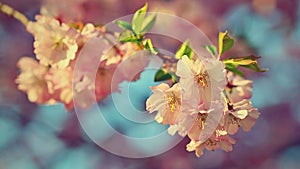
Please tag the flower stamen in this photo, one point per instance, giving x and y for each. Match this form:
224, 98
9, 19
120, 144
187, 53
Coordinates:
172, 101
202, 79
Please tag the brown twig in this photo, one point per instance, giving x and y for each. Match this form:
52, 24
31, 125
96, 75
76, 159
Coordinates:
8, 10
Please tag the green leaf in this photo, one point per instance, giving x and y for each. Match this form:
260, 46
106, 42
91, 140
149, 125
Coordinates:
138, 19
175, 78
233, 68
162, 75
124, 25
249, 62
148, 45
184, 49
211, 49
148, 23
127, 36
242, 60
255, 67
225, 42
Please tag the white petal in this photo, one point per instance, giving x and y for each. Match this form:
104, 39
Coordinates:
183, 67
241, 114
161, 87
172, 129
232, 129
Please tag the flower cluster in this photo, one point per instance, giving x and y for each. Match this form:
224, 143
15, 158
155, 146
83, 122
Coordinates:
201, 97
210, 102
48, 78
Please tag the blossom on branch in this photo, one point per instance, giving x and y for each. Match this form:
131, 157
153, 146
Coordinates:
201, 80
55, 43
220, 139
238, 88
32, 81
240, 114
166, 101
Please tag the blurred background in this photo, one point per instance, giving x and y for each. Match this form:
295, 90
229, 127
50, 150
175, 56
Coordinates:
49, 137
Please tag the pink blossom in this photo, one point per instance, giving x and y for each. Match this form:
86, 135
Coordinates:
32, 81
201, 80
196, 106
196, 122
55, 44
238, 88
59, 82
240, 114
87, 32
220, 139
166, 101
207, 121
131, 61
124, 51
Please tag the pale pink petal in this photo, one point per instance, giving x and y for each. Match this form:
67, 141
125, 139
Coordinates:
241, 114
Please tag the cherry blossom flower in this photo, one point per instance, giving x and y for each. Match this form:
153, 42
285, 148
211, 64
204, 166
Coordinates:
183, 125
31, 80
206, 122
196, 122
84, 83
166, 101
206, 76
55, 43
196, 106
87, 32
240, 114
124, 51
130, 58
219, 140
59, 82
238, 88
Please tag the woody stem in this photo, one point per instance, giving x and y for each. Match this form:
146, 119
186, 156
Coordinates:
8, 10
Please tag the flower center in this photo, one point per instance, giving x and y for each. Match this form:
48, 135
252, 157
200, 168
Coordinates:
172, 101
202, 79
235, 121
60, 44
200, 120
211, 142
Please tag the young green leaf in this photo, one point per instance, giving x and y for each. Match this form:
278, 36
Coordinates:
148, 45
240, 61
124, 25
162, 75
138, 18
184, 49
211, 49
127, 36
255, 67
249, 62
148, 23
225, 42
234, 69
